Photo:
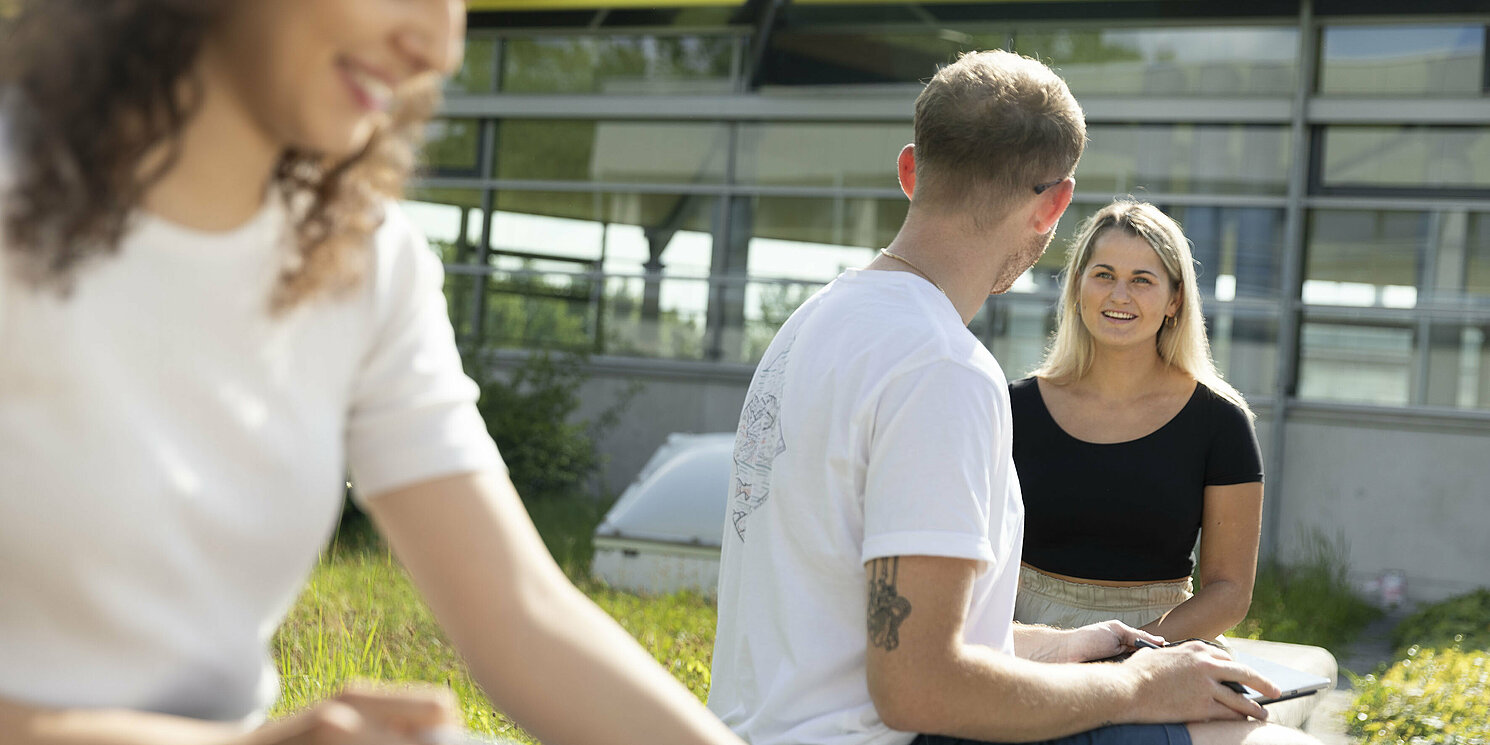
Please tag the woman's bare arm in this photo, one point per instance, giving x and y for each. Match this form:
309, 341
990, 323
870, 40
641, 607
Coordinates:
542, 651
1230, 526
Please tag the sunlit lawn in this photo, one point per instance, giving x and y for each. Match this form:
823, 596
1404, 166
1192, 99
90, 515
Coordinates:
359, 618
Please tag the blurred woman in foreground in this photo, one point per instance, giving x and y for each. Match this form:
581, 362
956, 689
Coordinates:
210, 308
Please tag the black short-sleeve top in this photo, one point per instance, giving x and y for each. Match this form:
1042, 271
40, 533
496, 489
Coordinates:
1125, 511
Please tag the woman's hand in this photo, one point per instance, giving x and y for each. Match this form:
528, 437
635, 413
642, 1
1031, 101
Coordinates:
1102, 640
367, 716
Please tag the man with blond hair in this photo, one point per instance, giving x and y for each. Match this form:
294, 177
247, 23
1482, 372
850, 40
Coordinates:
871, 551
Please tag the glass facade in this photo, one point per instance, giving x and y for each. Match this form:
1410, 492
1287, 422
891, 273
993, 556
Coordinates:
675, 193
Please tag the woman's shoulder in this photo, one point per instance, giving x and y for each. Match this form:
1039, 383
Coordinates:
1219, 408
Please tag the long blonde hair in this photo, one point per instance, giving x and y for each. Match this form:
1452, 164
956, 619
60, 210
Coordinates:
1183, 346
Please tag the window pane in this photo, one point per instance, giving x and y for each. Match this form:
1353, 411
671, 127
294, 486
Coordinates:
1476, 259
526, 307
450, 220
1423, 157
1245, 348
796, 58
1185, 159
610, 151
1355, 363
841, 155
814, 239
546, 247
1459, 366
1256, 61
475, 74
618, 64
1239, 249
1016, 330
451, 146
1365, 257
641, 317
1403, 60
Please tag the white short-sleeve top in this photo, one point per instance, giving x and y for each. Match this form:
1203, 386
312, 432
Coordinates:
172, 455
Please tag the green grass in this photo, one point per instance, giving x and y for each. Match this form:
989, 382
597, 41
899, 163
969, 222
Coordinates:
359, 618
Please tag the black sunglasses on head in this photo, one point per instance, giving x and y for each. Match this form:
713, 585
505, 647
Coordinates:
1040, 188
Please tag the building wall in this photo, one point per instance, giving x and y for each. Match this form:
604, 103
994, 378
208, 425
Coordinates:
1405, 493
1391, 491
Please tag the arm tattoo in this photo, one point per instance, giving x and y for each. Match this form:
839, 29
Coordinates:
887, 610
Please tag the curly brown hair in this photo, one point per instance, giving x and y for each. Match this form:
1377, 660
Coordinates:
96, 85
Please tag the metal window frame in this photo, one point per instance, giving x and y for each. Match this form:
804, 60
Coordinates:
1304, 113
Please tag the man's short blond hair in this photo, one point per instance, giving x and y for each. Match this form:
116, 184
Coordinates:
991, 126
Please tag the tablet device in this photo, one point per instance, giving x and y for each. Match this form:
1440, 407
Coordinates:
1293, 683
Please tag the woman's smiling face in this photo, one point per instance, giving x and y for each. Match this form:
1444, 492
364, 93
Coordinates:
1126, 293
319, 75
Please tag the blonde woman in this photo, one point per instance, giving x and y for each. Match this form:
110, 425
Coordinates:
1129, 444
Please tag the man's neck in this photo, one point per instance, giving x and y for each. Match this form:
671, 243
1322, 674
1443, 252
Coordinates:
962, 261
221, 170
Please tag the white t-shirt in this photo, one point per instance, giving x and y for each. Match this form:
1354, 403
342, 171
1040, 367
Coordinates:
172, 457
875, 426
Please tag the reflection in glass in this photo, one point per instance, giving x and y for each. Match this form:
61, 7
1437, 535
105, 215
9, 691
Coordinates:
828, 155
1245, 348
1365, 257
1016, 330
623, 65
611, 151
450, 220
451, 146
533, 309
1257, 61
813, 239
650, 237
1403, 60
1407, 156
798, 58
1474, 271
1238, 250
1185, 158
673, 326
475, 74
1459, 366
1355, 363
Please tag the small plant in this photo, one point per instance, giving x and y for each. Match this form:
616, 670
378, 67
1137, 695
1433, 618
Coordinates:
1311, 602
529, 415
1464, 619
1432, 697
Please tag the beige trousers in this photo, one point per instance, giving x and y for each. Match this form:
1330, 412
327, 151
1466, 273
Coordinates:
1043, 599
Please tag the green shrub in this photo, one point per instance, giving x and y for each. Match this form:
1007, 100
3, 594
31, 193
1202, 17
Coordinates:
1311, 602
529, 416
1465, 619
1432, 697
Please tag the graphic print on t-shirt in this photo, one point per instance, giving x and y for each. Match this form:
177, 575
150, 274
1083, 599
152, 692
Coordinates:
758, 441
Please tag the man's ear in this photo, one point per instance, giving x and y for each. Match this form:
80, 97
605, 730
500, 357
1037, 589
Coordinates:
1052, 204
905, 168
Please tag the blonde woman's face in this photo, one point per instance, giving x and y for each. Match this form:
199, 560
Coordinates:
319, 75
1125, 292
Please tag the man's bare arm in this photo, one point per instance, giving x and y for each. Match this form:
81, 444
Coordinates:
924, 678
